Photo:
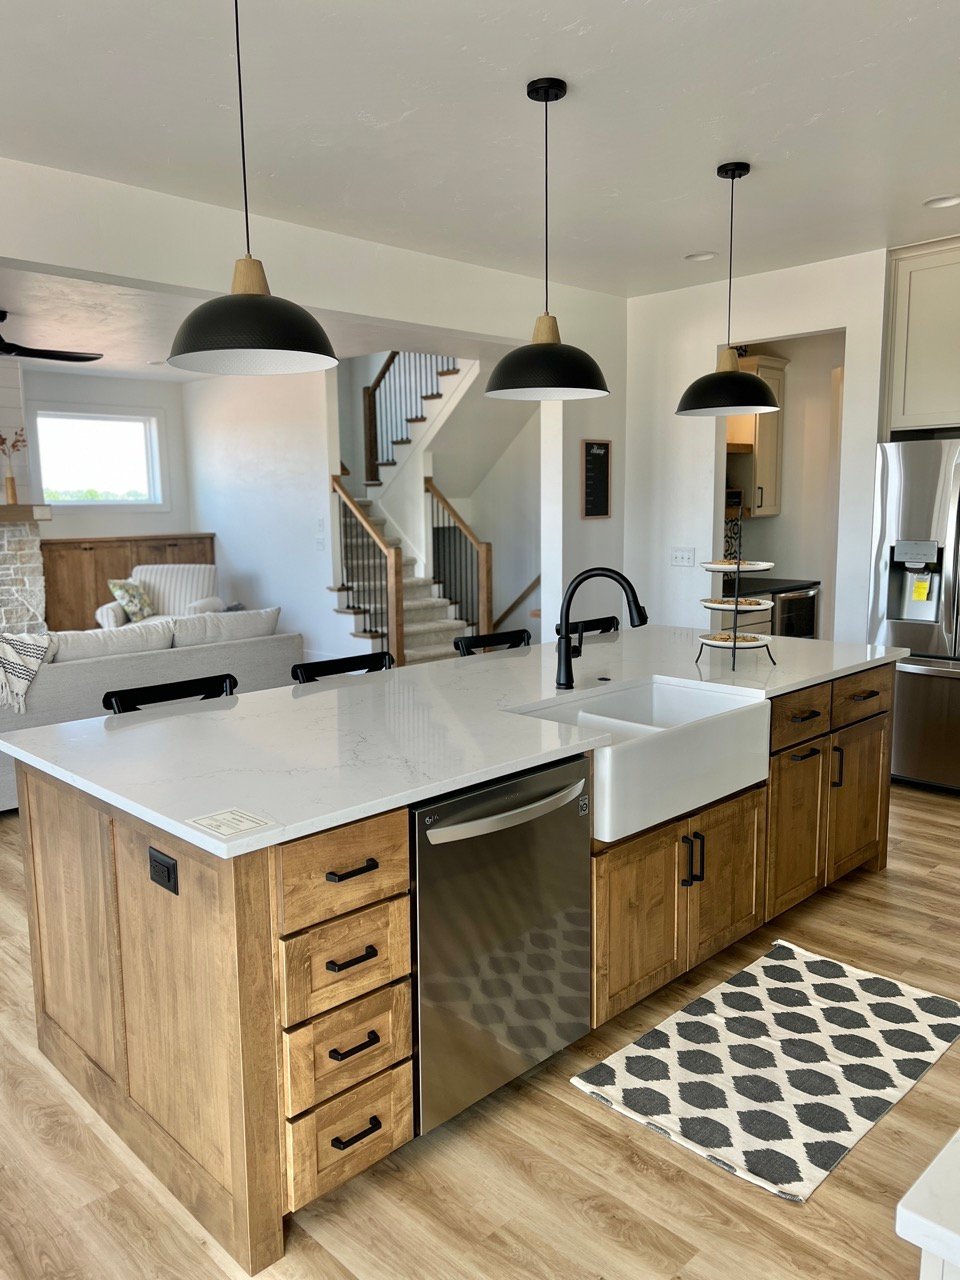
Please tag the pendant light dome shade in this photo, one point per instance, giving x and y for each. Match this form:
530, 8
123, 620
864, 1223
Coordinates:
729, 390
248, 331
546, 368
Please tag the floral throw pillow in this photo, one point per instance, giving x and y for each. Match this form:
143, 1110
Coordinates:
136, 602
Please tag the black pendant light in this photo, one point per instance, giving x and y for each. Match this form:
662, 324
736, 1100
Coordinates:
546, 369
248, 331
729, 390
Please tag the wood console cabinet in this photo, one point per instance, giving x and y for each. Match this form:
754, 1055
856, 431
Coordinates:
667, 899
76, 570
185, 1015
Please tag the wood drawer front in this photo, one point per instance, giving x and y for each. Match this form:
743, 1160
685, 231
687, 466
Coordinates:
338, 1049
337, 871
795, 717
866, 693
371, 948
342, 1137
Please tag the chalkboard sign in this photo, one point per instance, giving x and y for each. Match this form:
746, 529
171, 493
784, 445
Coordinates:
595, 480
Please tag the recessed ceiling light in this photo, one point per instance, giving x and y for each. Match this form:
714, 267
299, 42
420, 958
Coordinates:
702, 255
941, 202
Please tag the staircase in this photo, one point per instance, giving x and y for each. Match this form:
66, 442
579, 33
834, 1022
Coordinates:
430, 618
413, 576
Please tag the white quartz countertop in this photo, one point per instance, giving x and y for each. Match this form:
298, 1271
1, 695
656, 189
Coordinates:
929, 1214
302, 759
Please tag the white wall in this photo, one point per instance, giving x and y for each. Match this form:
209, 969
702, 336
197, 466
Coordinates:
106, 230
675, 466
88, 393
258, 457
353, 374
802, 539
504, 510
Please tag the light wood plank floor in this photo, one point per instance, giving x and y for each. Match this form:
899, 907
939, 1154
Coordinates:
537, 1181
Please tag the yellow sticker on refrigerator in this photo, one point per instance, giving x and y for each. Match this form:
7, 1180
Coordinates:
921, 587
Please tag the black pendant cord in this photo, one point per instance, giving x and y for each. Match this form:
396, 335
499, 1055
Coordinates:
546, 208
243, 139
733, 183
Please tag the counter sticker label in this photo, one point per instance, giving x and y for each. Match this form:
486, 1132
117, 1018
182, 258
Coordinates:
230, 822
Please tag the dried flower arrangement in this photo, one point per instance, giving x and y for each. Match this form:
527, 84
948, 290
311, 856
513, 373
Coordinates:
16, 444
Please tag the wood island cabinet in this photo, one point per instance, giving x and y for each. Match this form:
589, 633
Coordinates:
797, 830
76, 570
859, 795
667, 899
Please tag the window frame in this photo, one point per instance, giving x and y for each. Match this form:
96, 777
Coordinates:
152, 419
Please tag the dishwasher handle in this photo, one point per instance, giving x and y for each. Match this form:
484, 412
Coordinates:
503, 821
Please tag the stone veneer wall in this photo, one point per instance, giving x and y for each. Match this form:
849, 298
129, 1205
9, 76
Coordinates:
22, 595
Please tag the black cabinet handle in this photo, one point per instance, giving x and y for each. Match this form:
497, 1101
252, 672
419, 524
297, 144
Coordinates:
805, 755
340, 1055
866, 695
801, 717
341, 1144
335, 877
337, 966
760, 491
689, 879
701, 839
839, 781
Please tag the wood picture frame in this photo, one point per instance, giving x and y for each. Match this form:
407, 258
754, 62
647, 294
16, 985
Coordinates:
595, 479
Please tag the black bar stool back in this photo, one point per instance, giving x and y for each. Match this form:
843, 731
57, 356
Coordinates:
308, 672
465, 645
203, 687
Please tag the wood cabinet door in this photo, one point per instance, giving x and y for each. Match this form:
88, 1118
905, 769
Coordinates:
767, 448
859, 796
69, 580
639, 918
110, 560
193, 551
731, 851
149, 551
797, 824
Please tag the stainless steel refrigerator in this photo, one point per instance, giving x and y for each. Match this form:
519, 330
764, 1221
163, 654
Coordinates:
914, 602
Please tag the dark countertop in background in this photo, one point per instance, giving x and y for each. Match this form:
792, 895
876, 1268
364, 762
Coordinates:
762, 585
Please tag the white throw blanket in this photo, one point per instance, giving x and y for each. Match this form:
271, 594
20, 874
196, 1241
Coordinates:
20, 659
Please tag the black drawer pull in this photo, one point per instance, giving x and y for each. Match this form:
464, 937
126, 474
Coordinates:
339, 1055
337, 966
866, 695
805, 755
689, 879
703, 857
374, 1126
801, 717
839, 781
335, 877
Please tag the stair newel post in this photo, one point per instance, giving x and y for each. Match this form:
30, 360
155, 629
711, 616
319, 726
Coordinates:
485, 581
395, 602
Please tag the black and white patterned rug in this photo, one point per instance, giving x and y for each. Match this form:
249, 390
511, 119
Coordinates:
775, 1074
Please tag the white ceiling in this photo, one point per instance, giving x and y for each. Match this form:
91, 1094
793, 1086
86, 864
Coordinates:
406, 122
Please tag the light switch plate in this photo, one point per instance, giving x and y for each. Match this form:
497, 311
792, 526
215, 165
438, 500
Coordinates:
683, 557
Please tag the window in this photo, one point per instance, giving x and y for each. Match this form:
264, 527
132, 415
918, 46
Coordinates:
98, 459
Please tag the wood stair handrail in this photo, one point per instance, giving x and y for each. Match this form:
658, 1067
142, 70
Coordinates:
385, 369
360, 515
524, 594
453, 513
394, 558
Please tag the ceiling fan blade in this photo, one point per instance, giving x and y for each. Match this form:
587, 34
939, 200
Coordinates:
43, 353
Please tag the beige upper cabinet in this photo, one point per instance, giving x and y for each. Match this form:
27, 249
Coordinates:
923, 337
755, 443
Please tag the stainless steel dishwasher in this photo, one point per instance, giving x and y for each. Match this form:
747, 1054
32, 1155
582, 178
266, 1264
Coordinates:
503, 933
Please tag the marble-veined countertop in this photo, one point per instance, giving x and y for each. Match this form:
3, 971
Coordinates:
302, 759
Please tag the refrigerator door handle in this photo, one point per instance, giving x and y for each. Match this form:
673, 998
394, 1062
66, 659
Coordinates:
950, 559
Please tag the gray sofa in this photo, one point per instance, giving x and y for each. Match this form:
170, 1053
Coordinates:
73, 689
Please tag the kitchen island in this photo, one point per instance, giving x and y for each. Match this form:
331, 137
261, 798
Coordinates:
220, 894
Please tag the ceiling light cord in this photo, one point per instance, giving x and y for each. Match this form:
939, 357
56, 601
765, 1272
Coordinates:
730, 264
243, 138
546, 208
